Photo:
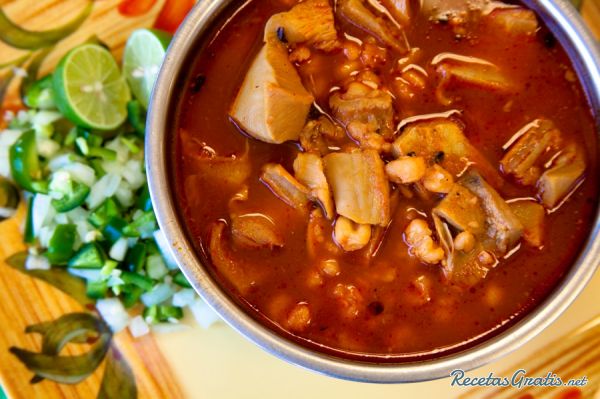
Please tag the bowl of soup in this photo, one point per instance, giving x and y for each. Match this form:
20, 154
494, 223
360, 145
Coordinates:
381, 191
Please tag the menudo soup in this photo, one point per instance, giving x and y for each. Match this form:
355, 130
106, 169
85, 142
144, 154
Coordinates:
376, 177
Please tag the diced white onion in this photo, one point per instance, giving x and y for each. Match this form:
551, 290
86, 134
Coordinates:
45, 234
77, 214
42, 212
184, 297
155, 267
203, 313
158, 294
114, 281
46, 147
9, 136
113, 313
103, 189
133, 173
61, 161
6, 213
119, 249
61, 218
125, 195
43, 118
37, 262
138, 327
81, 173
88, 274
121, 149
4, 164
92, 236
165, 249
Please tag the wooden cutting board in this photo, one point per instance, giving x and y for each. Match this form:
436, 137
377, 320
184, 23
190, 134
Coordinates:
26, 301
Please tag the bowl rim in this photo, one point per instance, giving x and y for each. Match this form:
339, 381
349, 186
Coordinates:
565, 23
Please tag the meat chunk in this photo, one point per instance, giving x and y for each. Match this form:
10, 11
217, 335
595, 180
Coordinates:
272, 105
317, 135
401, 10
565, 171
531, 215
462, 209
474, 207
310, 22
371, 107
441, 141
514, 21
524, 159
255, 230
308, 169
388, 33
502, 226
461, 267
285, 186
457, 72
228, 171
234, 270
360, 188
351, 236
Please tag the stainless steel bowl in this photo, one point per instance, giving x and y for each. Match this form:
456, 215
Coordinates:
563, 21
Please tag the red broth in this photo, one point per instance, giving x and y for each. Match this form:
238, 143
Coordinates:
379, 306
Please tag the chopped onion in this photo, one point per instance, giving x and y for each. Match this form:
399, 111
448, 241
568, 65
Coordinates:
119, 249
203, 313
155, 267
184, 297
113, 313
103, 189
87, 274
134, 174
46, 147
6, 213
61, 218
9, 136
125, 195
158, 294
42, 213
165, 249
138, 327
37, 262
61, 161
121, 149
45, 234
43, 118
114, 281
81, 173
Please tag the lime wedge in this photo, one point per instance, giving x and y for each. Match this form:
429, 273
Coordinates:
144, 54
89, 88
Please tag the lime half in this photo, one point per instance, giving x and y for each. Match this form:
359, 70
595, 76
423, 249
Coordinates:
89, 88
144, 54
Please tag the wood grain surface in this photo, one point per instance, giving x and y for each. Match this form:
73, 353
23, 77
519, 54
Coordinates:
25, 301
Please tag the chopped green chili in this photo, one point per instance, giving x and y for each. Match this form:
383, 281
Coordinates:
72, 200
25, 164
90, 256
60, 247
